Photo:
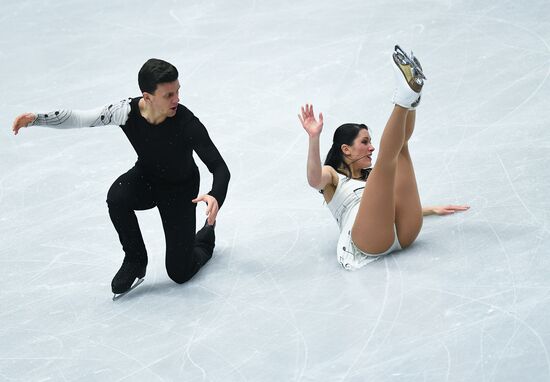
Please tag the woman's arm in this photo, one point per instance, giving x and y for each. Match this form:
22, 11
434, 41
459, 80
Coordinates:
443, 210
317, 176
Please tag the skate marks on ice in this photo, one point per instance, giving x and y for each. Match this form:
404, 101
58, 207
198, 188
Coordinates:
466, 302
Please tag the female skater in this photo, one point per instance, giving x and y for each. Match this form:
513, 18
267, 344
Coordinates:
381, 215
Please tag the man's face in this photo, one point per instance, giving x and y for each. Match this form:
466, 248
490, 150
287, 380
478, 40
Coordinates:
166, 98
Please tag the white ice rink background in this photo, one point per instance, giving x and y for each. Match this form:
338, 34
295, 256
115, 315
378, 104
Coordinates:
469, 301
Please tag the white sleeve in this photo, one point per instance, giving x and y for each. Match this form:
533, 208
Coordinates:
113, 114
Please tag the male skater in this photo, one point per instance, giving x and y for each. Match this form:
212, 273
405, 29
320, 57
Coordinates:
164, 135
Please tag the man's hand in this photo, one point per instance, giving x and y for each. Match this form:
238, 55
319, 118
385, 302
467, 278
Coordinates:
212, 207
22, 121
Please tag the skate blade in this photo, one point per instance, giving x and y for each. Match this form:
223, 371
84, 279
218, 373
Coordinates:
414, 82
136, 284
406, 60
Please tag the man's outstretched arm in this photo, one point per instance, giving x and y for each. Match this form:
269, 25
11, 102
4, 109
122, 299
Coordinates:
113, 114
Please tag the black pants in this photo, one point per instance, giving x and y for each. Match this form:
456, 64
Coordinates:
185, 254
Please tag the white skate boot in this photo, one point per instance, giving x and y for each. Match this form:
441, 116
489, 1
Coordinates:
409, 79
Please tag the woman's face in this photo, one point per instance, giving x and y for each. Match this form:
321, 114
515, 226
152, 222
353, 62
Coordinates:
359, 155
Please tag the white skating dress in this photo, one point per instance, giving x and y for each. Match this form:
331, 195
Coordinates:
344, 206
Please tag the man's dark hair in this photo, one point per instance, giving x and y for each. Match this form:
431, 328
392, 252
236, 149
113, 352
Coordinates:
155, 72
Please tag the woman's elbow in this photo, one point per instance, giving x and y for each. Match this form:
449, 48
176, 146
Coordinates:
314, 183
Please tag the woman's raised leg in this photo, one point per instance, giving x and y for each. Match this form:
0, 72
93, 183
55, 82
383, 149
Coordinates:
390, 200
408, 210
373, 229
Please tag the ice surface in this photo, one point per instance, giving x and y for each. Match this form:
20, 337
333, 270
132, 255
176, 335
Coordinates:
468, 302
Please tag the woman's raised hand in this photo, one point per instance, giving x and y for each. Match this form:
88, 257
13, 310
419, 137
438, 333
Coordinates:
310, 124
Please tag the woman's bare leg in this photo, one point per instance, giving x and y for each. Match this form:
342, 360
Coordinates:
373, 230
408, 210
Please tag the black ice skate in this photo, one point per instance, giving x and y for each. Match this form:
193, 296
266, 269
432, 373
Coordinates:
125, 277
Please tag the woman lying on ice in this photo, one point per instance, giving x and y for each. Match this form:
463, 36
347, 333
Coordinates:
382, 214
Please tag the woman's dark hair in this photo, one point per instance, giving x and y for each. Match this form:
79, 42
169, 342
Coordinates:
344, 135
155, 72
